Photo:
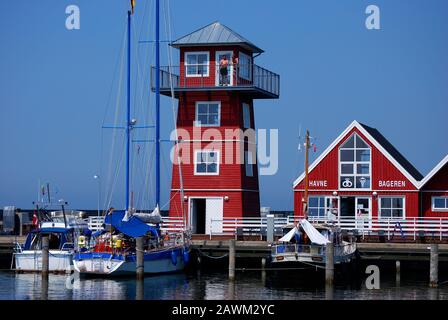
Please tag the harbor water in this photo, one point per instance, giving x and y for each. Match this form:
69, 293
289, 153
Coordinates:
201, 285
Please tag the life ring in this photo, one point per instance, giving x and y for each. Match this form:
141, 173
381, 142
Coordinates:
178, 240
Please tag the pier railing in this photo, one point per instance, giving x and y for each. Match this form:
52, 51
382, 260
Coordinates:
390, 228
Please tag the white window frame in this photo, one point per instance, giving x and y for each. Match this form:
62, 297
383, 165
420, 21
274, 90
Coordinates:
391, 217
186, 65
433, 208
247, 123
249, 163
196, 122
247, 66
196, 173
324, 207
354, 163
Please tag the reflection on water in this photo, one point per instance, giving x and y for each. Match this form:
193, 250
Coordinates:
203, 285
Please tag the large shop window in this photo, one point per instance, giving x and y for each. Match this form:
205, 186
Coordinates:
354, 164
440, 204
316, 206
392, 207
208, 114
196, 64
206, 162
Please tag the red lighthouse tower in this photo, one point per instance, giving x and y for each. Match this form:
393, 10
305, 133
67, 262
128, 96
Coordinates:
216, 84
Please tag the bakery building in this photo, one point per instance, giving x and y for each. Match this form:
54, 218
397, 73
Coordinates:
434, 191
360, 175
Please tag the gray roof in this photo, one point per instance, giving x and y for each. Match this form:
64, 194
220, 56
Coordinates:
393, 152
215, 34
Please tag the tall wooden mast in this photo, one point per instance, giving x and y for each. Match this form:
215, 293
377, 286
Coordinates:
305, 197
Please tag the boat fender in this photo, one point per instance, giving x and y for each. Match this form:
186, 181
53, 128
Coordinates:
173, 257
186, 256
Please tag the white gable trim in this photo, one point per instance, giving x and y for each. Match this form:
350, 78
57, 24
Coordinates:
356, 124
433, 172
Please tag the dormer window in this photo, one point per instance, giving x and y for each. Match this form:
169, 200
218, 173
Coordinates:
197, 64
354, 164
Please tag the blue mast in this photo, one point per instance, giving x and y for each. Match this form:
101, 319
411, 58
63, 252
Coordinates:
157, 105
128, 123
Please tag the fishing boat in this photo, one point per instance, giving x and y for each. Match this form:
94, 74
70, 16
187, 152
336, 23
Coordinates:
307, 243
113, 250
61, 227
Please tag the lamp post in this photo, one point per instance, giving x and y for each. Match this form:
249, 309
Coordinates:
97, 177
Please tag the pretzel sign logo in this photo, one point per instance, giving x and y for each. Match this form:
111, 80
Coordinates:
347, 183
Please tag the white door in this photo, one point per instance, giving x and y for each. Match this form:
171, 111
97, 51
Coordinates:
213, 215
229, 79
363, 212
332, 208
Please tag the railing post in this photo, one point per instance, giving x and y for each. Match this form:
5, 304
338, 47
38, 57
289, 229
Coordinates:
415, 228
388, 229
211, 228
270, 228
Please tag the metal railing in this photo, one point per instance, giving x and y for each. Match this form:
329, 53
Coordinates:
238, 76
257, 226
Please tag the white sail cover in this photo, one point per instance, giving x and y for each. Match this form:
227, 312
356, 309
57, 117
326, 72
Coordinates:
314, 235
287, 237
153, 217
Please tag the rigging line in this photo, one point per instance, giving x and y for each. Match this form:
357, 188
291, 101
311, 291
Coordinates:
173, 106
117, 105
117, 173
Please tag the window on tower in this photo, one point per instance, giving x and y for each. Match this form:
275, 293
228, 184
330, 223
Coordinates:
246, 116
248, 160
206, 162
208, 114
245, 66
354, 164
196, 64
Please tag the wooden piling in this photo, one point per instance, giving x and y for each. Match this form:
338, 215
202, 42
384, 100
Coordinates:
398, 272
45, 256
329, 264
140, 265
231, 259
434, 266
263, 263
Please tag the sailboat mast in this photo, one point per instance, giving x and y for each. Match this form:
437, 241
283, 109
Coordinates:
128, 123
305, 201
157, 103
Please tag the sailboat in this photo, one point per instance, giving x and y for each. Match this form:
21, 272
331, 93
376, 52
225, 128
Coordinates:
114, 249
60, 226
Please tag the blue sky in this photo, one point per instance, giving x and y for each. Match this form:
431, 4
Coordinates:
55, 84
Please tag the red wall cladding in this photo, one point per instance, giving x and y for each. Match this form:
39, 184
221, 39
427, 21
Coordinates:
436, 186
210, 80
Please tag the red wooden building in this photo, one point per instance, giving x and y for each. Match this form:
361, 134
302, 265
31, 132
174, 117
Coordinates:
434, 191
360, 175
218, 167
